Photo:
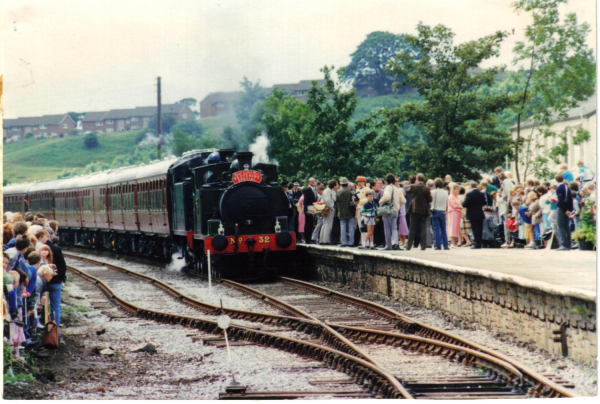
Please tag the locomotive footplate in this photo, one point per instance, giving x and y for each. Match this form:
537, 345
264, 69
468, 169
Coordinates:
243, 244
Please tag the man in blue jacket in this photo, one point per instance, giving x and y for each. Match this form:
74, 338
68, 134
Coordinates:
474, 202
564, 211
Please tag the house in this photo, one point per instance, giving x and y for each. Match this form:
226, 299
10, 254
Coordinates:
118, 120
298, 90
583, 116
41, 126
218, 104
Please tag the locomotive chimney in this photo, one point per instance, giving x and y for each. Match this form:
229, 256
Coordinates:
244, 158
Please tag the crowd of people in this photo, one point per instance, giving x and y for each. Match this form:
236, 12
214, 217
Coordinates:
34, 271
386, 213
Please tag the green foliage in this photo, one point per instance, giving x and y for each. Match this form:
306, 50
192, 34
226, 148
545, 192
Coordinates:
182, 142
29, 135
586, 229
370, 59
167, 122
230, 138
456, 126
91, 140
248, 110
10, 378
315, 137
580, 310
190, 102
559, 72
191, 126
76, 116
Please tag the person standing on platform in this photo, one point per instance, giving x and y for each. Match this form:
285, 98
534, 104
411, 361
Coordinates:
474, 202
310, 197
378, 232
564, 212
317, 231
402, 226
394, 196
439, 204
296, 193
419, 211
328, 199
361, 199
454, 213
346, 211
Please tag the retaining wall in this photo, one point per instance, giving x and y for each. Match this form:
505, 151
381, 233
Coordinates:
531, 311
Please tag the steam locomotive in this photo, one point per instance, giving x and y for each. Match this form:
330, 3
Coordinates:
210, 200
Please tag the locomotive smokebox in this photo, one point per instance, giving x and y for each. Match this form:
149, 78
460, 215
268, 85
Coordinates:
241, 160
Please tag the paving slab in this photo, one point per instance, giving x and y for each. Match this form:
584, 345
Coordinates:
562, 271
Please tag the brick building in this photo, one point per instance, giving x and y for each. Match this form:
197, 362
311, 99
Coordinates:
218, 104
118, 120
40, 126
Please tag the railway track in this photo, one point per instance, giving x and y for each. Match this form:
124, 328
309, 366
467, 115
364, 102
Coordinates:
365, 380
430, 363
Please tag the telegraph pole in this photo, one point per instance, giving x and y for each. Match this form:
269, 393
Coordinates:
159, 123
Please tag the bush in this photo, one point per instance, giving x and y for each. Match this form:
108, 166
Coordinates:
29, 135
91, 140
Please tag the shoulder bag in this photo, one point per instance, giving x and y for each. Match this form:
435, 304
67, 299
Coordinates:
387, 209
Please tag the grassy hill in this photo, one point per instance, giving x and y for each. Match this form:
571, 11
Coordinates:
44, 159
34, 160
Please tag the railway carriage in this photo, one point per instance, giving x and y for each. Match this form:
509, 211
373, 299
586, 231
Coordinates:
206, 201
15, 197
41, 197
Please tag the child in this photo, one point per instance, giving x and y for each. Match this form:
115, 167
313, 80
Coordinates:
488, 228
534, 213
369, 212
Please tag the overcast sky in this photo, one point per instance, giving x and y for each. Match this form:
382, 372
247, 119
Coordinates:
89, 55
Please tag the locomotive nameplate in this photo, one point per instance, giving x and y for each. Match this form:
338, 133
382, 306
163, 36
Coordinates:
246, 175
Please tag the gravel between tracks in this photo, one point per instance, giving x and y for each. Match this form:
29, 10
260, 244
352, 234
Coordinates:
180, 369
583, 377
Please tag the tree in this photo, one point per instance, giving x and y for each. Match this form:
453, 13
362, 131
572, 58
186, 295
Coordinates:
190, 126
91, 140
559, 72
456, 123
167, 122
315, 137
190, 102
230, 138
76, 116
182, 142
369, 61
248, 111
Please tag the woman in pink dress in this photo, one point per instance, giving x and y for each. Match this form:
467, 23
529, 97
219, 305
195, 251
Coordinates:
454, 214
301, 217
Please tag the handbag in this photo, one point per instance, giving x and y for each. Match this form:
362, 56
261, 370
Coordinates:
386, 209
363, 226
50, 337
320, 209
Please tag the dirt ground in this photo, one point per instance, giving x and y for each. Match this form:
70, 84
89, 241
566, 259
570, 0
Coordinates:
77, 368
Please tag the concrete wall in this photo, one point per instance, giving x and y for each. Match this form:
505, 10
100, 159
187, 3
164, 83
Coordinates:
529, 314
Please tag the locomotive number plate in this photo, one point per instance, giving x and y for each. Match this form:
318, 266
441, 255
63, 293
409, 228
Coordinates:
246, 175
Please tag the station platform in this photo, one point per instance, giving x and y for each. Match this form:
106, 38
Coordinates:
570, 273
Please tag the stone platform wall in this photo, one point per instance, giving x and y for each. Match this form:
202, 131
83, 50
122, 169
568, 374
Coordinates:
525, 310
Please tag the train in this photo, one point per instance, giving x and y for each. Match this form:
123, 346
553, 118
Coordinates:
210, 202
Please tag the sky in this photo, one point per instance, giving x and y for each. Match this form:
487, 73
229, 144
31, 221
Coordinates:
61, 56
